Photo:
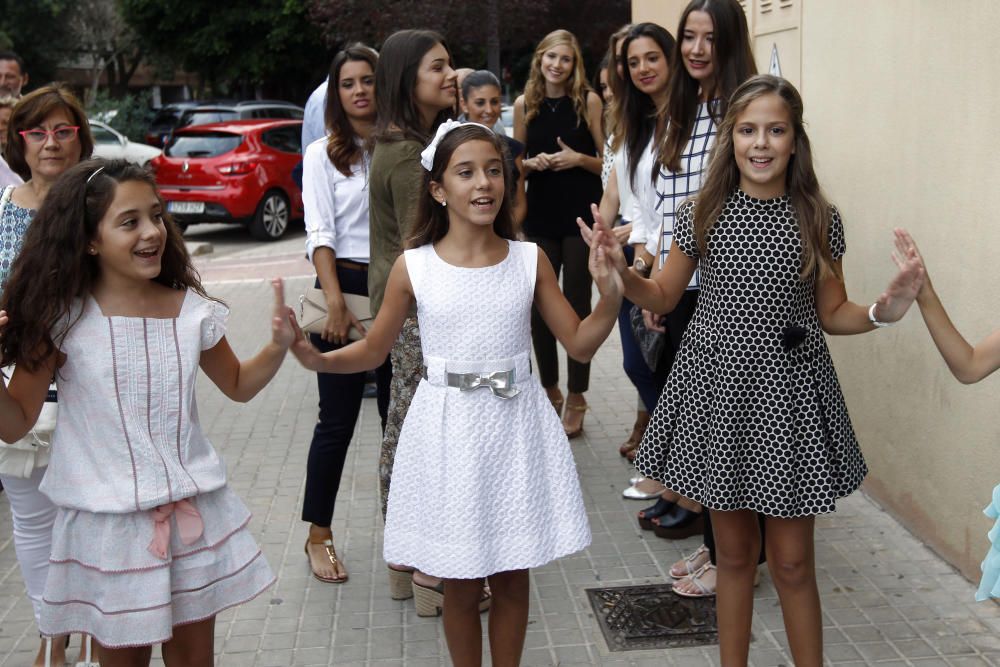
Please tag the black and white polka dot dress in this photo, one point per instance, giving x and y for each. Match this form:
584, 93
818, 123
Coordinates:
752, 416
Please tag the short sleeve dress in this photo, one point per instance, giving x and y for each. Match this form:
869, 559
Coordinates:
128, 447
752, 415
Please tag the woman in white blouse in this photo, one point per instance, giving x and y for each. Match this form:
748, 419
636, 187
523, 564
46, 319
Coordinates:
335, 196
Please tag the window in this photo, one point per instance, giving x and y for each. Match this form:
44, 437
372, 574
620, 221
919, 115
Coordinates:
203, 144
208, 116
103, 136
285, 139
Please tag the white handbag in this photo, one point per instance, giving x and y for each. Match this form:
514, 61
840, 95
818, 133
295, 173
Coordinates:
19, 459
312, 312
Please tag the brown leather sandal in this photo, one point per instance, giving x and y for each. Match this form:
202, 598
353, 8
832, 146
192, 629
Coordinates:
577, 432
638, 430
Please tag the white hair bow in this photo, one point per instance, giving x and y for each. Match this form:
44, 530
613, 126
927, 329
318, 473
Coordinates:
427, 155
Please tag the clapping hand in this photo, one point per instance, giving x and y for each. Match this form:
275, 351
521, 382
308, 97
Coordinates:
893, 303
566, 158
540, 162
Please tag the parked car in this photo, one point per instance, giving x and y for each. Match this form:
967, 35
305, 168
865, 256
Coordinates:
239, 172
111, 144
251, 109
165, 121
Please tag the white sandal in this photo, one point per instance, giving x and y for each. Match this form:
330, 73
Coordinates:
691, 563
703, 589
644, 489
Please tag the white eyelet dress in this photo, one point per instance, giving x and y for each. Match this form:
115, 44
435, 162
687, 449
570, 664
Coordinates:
128, 442
481, 484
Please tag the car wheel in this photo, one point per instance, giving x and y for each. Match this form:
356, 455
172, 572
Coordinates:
271, 219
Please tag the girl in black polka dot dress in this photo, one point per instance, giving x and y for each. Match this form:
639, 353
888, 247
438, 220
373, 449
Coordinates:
752, 419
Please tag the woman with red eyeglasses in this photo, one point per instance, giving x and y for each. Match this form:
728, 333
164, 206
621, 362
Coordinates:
48, 133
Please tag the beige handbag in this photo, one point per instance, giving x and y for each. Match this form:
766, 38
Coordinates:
312, 312
19, 459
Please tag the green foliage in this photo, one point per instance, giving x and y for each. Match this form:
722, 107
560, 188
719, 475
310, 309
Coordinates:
36, 30
129, 114
233, 46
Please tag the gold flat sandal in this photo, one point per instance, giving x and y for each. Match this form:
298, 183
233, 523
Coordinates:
331, 553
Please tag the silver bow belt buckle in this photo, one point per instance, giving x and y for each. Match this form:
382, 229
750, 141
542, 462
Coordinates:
501, 383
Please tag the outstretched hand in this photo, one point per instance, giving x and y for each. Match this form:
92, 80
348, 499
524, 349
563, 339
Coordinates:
302, 348
893, 303
602, 270
281, 331
906, 248
602, 236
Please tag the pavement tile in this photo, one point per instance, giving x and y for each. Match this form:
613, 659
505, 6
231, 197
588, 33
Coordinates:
888, 599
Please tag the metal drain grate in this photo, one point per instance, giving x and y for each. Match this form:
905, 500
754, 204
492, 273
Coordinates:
649, 617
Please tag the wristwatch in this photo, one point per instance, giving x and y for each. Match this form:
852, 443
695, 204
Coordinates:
641, 267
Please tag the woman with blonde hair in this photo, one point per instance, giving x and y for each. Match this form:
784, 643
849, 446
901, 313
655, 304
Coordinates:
558, 118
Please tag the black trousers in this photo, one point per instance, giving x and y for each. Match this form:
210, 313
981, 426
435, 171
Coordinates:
339, 405
570, 255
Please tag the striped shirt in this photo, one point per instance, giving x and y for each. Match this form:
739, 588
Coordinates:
673, 188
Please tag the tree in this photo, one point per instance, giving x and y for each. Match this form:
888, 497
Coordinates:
468, 25
104, 42
37, 31
267, 46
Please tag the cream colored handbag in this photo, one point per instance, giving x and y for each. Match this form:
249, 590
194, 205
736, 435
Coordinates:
312, 312
19, 459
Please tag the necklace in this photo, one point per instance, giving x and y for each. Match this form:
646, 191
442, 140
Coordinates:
553, 105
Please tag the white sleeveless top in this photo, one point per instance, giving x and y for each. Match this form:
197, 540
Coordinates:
468, 449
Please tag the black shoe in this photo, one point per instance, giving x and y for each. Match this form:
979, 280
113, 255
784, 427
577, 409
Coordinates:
662, 507
679, 523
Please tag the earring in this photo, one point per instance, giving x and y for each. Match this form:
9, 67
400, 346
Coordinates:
444, 203
92, 250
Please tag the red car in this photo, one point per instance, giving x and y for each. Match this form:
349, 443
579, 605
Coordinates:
239, 171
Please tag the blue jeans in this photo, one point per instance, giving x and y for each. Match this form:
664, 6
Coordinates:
645, 381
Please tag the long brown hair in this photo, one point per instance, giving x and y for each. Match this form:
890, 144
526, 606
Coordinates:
637, 112
577, 85
395, 85
812, 210
432, 217
733, 63
54, 267
615, 83
343, 145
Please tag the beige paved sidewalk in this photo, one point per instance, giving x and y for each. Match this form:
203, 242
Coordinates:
888, 600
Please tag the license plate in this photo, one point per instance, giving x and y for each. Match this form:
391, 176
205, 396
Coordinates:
186, 206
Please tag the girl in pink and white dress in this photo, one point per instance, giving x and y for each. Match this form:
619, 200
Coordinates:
149, 543
480, 431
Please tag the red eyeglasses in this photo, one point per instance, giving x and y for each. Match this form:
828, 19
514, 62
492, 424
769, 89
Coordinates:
60, 134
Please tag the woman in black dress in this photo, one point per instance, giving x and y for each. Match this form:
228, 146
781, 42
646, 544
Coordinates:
558, 118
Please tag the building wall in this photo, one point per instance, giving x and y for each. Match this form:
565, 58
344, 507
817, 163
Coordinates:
901, 111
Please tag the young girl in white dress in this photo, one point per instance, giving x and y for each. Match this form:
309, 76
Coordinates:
149, 543
480, 432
